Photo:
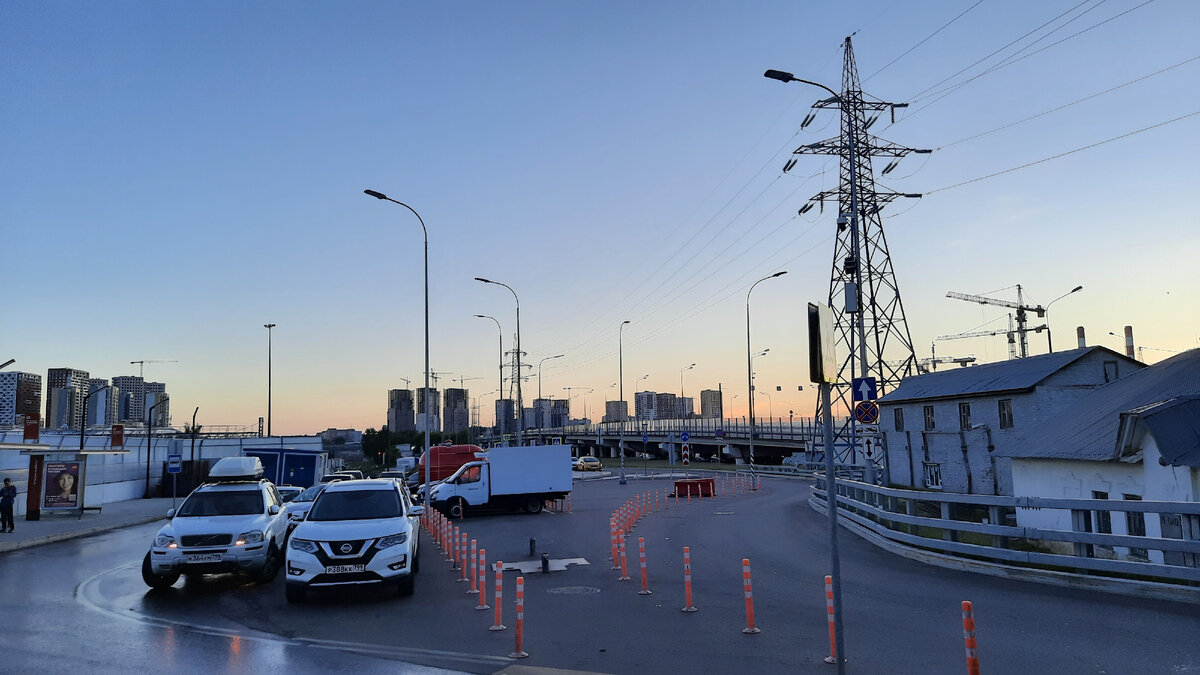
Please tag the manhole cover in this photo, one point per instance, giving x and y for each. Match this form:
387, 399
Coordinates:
573, 590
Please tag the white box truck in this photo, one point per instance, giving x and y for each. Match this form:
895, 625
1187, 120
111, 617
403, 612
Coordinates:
514, 477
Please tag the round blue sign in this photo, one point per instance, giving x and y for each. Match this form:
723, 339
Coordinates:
684, 436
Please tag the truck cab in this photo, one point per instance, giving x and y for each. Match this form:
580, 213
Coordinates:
521, 477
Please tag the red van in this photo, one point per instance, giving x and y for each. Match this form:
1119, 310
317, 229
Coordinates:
446, 460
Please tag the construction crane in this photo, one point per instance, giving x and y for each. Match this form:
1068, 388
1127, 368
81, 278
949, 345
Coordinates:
462, 380
1011, 332
142, 364
1021, 308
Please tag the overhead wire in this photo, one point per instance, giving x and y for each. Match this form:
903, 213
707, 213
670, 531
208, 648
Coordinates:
927, 38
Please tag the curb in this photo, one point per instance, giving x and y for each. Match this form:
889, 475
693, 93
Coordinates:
76, 534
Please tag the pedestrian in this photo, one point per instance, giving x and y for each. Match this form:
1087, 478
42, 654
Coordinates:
8, 496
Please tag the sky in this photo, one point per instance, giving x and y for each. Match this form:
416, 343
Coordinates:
176, 175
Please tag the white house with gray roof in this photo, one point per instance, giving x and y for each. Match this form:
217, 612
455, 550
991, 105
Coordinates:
944, 430
1135, 439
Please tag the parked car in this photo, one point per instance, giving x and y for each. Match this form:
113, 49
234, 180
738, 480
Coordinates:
588, 464
398, 475
288, 492
298, 507
339, 475
357, 532
235, 522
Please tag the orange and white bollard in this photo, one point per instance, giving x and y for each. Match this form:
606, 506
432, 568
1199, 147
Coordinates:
452, 549
687, 581
832, 658
749, 590
676, 495
612, 540
642, 561
520, 653
474, 564
969, 638
624, 568
483, 580
499, 596
462, 557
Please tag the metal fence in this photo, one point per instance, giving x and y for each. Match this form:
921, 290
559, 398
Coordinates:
985, 527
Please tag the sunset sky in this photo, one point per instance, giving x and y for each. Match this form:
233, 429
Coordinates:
175, 175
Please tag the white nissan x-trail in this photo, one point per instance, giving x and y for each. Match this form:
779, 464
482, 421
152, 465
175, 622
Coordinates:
357, 532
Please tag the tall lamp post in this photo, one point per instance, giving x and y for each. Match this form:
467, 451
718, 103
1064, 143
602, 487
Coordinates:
621, 393
557, 356
83, 422
500, 389
749, 367
268, 326
1046, 311
681, 378
520, 404
425, 231
150, 441
751, 397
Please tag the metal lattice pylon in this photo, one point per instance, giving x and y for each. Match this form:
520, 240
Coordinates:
862, 267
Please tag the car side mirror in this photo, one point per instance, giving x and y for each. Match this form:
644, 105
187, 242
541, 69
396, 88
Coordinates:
171, 513
273, 509
417, 511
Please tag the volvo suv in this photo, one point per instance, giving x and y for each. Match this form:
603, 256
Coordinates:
233, 523
357, 533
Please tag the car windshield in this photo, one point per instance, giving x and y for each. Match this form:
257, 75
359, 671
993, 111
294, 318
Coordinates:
311, 493
357, 505
222, 503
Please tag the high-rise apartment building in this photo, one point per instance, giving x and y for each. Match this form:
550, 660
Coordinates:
157, 399
616, 411
541, 414
102, 406
457, 411
20, 396
645, 405
560, 412
666, 406
685, 407
131, 404
401, 416
506, 416
66, 409
430, 419
711, 404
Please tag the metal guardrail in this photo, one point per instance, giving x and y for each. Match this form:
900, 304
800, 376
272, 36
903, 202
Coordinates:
810, 470
956, 524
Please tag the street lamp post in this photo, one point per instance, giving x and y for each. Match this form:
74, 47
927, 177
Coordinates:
425, 231
500, 390
681, 381
621, 393
150, 441
749, 367
751, 404
83, 422
520, 404
1046, 311
556, 356
268, 326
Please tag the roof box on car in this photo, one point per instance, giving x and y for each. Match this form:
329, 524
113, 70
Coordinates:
236, 468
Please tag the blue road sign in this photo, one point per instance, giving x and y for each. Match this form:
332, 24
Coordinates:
864, 389
720, 433
645, 438
174, 463
684, 436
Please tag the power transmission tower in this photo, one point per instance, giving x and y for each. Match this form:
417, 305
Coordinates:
869, 316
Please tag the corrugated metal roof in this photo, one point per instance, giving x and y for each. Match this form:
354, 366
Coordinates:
1014, 375
1087, 429
1176, 429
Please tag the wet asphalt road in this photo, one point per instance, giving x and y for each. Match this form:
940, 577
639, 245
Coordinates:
81, 605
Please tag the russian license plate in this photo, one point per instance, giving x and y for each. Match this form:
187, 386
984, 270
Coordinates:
344, 569
202, 558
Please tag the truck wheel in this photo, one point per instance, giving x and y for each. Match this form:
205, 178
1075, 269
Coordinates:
156, 581
533, 505
458, 508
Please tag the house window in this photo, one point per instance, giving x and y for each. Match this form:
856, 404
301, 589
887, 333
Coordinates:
1110, 371
964, 416
899, 413
929, 426
1103, 520
1006, 414
933, 475
1135, 526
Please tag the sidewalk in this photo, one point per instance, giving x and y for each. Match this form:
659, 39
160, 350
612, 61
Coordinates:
113, 516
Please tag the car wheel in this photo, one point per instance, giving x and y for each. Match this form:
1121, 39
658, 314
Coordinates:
416, 560
458, 508
406, 585
295, 593
270, 568
533, 505
157, 581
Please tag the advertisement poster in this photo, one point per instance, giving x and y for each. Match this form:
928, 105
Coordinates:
62, 486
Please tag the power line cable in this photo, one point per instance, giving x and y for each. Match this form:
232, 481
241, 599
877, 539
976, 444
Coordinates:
927, 38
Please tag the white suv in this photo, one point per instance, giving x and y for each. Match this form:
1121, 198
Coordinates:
235, 525
356, 533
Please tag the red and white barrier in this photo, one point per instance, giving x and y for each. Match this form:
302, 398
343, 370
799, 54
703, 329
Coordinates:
687, 581
748, 588
499, 597
518, 652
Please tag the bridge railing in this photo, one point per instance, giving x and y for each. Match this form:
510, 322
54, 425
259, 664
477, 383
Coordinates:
984, 527
765, 428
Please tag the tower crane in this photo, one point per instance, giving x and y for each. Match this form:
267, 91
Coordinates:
1021, 308
407, 382
142, 364
1010, 332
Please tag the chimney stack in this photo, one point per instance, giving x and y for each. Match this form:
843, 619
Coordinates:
1079, 334
1129, 341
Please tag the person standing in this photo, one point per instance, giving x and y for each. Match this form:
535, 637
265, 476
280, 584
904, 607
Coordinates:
8, 497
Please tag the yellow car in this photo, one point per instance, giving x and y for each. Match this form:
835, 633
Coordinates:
588, 464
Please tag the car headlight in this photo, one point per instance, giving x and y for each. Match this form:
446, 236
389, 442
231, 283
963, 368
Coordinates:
393, 540
303, 545
253, 537
164, 541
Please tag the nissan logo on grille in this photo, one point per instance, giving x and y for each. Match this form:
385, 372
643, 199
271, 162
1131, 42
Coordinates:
346, 548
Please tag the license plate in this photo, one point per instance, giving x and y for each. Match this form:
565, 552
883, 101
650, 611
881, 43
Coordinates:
344, 569
203, 558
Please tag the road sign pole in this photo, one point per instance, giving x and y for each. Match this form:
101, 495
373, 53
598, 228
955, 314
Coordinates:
831, 505
174, 488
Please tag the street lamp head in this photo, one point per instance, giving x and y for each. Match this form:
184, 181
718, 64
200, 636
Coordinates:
486, 281
625, 322
1077, 288
778, 75
376, 195
778, 274
268, 325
